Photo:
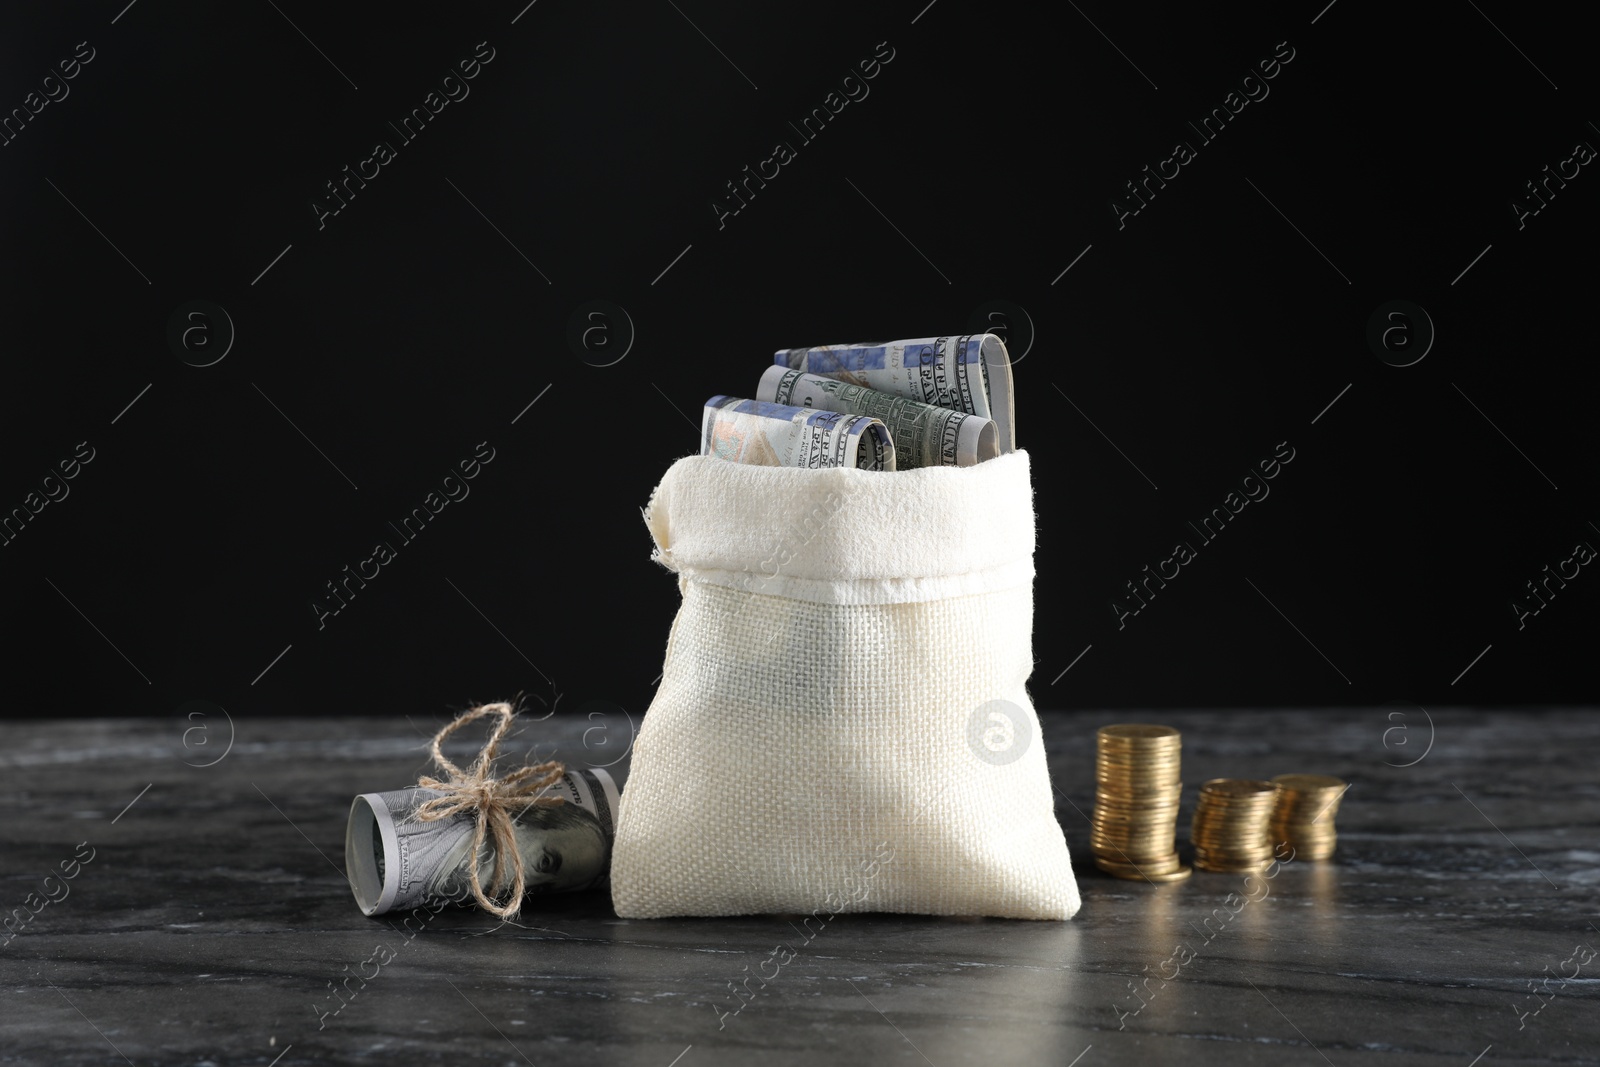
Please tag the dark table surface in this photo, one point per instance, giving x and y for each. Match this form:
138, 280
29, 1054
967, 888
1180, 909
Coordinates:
213, 916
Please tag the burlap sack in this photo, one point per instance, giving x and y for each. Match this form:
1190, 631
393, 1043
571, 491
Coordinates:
842, 722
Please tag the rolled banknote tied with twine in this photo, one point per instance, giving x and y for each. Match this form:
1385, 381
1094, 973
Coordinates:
492, 801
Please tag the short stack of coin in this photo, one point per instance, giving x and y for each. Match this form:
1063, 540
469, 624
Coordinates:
1136, 802
1303, 816
1231, 825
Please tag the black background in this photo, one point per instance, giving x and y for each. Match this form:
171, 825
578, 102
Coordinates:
407, 330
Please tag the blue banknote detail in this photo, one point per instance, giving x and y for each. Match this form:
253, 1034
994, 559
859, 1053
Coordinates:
833, 359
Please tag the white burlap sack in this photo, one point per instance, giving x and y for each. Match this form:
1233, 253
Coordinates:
842, 722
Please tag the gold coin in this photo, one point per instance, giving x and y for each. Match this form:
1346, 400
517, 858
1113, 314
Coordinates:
1142, 807
1122, 783
1238, 787
1169, 786
1131, 851
1127, 867
1132, 788
1309, 783
1137, 730
1216, 867
1162, 878
1133, 735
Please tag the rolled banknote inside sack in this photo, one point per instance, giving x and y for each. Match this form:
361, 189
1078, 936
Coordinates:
970, 373
924, 435
780, 435
396, 862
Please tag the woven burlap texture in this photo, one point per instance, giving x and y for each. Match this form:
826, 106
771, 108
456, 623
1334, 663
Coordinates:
813, 749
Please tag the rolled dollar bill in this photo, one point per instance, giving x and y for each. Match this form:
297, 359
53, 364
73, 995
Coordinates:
971, 373
924, 435
396, 862
779, 435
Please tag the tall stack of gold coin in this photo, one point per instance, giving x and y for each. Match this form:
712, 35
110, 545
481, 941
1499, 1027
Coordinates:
1231, 825
1136, 802
1303, 816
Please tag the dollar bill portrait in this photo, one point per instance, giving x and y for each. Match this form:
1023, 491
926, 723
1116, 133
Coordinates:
564, 849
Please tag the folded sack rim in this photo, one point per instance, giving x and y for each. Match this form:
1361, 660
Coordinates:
840, 535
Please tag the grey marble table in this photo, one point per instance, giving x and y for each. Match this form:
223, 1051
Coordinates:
212, 916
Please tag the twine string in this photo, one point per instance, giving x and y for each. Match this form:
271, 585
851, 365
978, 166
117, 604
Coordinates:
491, 801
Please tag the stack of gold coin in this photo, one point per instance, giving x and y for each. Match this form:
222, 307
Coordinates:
1136, 803
1231, 825
1303, 816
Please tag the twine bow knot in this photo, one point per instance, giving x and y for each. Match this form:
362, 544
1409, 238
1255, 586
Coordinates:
492, 801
